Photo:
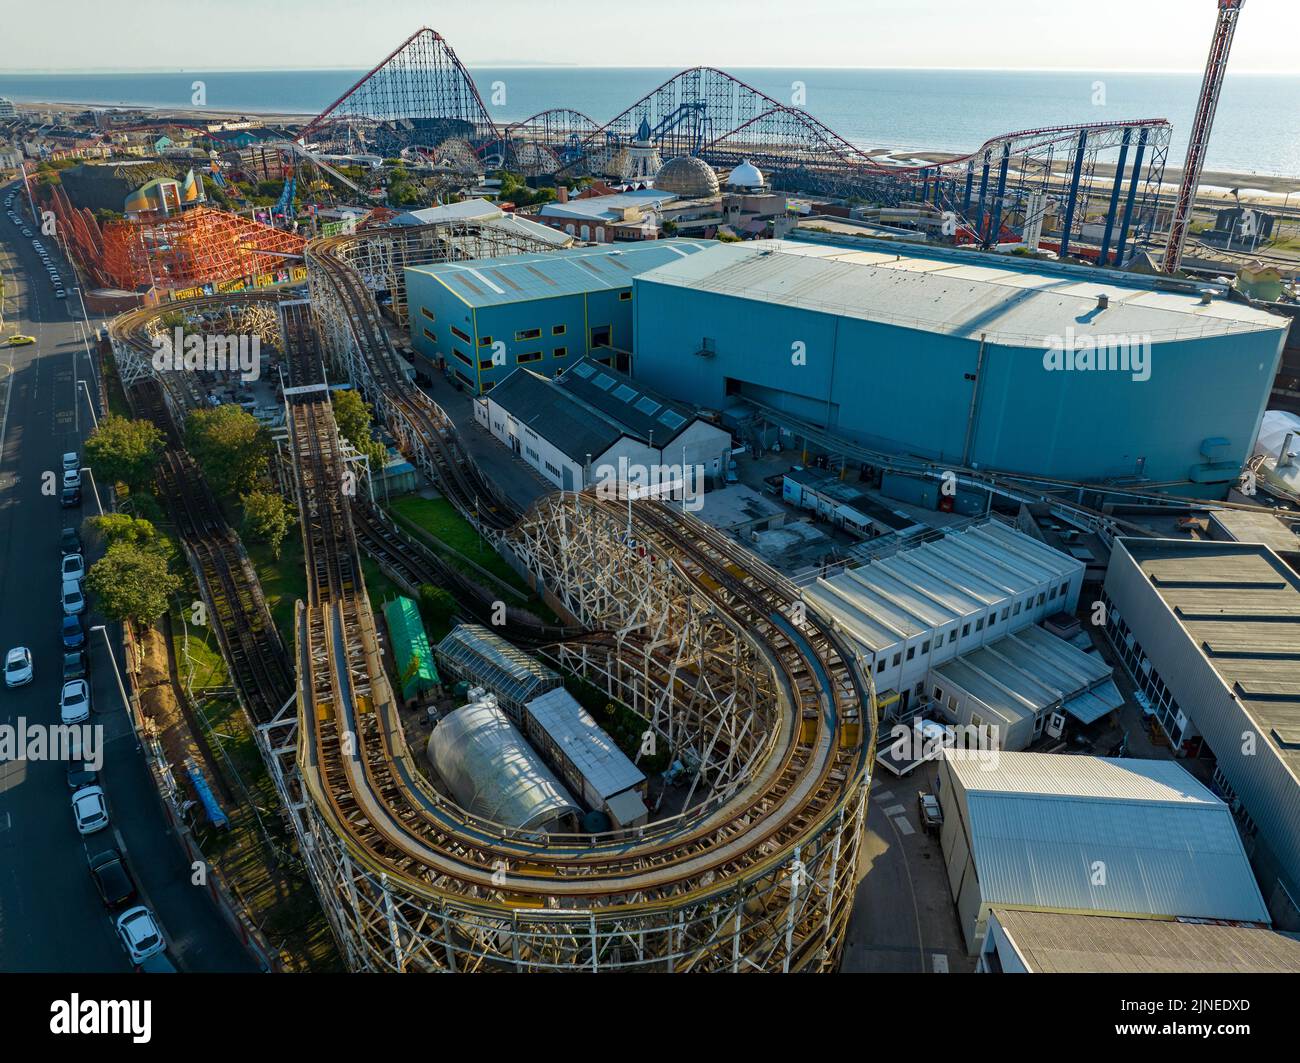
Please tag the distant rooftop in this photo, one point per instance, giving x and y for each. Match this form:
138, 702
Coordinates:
1240, 605
544, 275
608, 208
1054, 943
967, 294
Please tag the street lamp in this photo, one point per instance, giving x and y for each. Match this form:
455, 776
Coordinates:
121, 687
99, 505
90, 402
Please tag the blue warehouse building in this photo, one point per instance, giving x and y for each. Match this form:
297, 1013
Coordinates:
1067, 372
479, 320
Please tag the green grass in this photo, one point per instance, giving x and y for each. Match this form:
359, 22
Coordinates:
439, 518
284, 581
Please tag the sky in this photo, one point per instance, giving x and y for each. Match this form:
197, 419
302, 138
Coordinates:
1100, 35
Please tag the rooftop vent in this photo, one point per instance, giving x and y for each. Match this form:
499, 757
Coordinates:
1206, 296
1103, 301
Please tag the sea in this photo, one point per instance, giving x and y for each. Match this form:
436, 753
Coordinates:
1256, 131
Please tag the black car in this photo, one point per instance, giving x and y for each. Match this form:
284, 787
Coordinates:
70, 542
74, 665
112, 878
79, 775
71, 497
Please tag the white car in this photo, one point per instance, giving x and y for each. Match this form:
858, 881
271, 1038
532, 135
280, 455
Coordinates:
140, 933
71, 461
71, 478
74, 602
90, 809
18, 667
74, 567
74, 702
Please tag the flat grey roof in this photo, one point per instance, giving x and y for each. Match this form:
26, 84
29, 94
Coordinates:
1013, 303
588, 748
1041, 824
1239, 603
1053, 943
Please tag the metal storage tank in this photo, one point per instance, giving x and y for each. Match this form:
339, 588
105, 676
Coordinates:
494, 774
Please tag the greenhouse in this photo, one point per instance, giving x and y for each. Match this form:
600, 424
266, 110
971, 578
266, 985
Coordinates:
410, 644
474, 653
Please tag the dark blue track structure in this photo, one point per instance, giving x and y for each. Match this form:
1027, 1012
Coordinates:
1095, 188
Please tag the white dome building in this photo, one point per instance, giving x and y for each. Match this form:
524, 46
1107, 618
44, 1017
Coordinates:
746, 178
688, 177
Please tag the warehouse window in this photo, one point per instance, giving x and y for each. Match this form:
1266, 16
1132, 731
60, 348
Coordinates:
462, 356
897, 658
911, 652
1017, 612
965, 630
430, 336
1006, 613
557, 330
528, 356
464, 379
952, 636
485, 341
880, 666
624, 297
1064, 587
528, 334
488, 385
938, 694
552, 470
1042, 599
427, 313
461, 335
993, 618
560, 352
979, 624
925, 647
1053, 594
485, 363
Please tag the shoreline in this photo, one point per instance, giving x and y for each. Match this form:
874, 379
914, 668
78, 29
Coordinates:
1273, 189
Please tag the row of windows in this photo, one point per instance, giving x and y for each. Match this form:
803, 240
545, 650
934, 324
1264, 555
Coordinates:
1138, 665
552, 470
528, 356
427, 313
461, 335
463, 356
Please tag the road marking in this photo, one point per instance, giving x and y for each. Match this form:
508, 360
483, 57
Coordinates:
895, 810
884, 795
940, 963
4, 822
904, 828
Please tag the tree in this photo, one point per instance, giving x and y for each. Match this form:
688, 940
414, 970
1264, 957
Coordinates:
114, 528
267, 517
352, 415
131, 583
231, 447
124, 450
437, 605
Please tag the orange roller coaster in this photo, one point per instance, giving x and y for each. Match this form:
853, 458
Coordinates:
171, 252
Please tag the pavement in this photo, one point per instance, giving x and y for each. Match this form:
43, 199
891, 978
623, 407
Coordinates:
904, 920
51, 918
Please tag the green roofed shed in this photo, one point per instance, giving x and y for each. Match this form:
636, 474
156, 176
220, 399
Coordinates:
410, 643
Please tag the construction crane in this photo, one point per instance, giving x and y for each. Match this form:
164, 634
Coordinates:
1211, 84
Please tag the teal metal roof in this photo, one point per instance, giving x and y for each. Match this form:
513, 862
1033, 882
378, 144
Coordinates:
545, 275
1094, 834
410, 642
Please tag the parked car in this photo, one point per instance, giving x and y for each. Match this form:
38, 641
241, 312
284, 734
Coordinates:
80, 776
70, 541
74, 665
74, 567
74, 602
71, 497
71, 478
74, 702
112, 879
931, 813
140, 934
90, 809
74, 637
18, 667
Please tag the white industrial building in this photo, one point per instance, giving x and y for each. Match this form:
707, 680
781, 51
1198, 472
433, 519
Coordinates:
911, 611
1088, 835
586, 757
593, 425
1210, 633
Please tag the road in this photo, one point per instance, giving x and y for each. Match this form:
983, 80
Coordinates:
51, 918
